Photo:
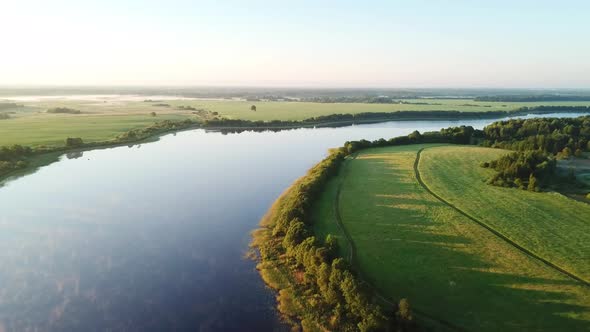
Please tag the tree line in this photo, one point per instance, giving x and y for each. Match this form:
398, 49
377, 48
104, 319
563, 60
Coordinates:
17, 157
328, 120
336, 298
539, 142
524, 170
8, 106
63, 110
531, 98
13, 158
550, 135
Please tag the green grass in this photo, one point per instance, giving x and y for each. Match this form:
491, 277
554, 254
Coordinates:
409, 244
305, 110
53, 129
551, 225
104, 118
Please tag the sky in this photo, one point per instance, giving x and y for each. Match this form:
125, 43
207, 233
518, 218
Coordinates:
321, 43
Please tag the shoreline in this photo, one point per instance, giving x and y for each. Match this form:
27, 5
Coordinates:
188, 124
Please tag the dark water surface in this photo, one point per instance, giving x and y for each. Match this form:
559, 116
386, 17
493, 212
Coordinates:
153, 237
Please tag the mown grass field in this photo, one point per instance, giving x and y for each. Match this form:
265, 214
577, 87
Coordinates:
549, 224
409, 244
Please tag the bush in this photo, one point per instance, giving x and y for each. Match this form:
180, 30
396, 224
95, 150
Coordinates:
529, 169
72, 142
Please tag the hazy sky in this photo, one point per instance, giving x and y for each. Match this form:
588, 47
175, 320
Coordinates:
391, 43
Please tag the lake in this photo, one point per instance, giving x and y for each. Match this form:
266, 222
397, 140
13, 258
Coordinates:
152, 237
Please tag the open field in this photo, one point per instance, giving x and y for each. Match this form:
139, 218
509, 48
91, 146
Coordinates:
105, 116
101, 119
53, 129
548, 224
410, 244
238, 109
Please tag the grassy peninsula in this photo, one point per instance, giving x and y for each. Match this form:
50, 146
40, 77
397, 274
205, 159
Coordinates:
419, 219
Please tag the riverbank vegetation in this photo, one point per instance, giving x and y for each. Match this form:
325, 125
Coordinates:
407, 243
104, 117
315, 285
388, 251
18, 157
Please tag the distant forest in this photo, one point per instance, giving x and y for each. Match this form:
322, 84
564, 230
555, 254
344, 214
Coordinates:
539, 143
301, 93
532, 98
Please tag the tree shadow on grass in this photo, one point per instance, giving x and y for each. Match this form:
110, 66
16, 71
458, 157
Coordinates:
413, 246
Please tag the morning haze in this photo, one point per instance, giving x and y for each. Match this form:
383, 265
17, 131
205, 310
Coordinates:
396, 166
527, 44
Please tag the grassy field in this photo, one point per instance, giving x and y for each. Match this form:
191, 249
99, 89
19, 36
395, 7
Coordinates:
304, 110
104, 117
100, 120
549, 224
409, 244
53, 129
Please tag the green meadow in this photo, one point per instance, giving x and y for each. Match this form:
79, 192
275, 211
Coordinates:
407, 243
53, 129
103, 118
98, 121
270, 110
551, 225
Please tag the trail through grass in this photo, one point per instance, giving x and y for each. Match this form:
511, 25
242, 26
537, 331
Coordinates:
409, 244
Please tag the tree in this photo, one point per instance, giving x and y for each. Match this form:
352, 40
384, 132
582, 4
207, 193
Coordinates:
296, 233
74, 142
153, 113
253, 108
566, 153
332, 246
415, 136
404, 311
404, 317
533, 185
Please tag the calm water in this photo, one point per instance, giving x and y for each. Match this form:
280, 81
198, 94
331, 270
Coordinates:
153, 237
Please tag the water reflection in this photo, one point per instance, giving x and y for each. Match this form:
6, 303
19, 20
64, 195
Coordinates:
74, 154
153, 238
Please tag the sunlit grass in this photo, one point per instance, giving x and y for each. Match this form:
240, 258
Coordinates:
411, 245
551, 225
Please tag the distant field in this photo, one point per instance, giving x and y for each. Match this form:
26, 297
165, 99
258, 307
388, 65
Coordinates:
100, 120
53, 129
303, 110
409, 244
103, 117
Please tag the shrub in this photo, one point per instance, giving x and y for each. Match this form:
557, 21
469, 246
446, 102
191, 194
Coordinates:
74, 142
